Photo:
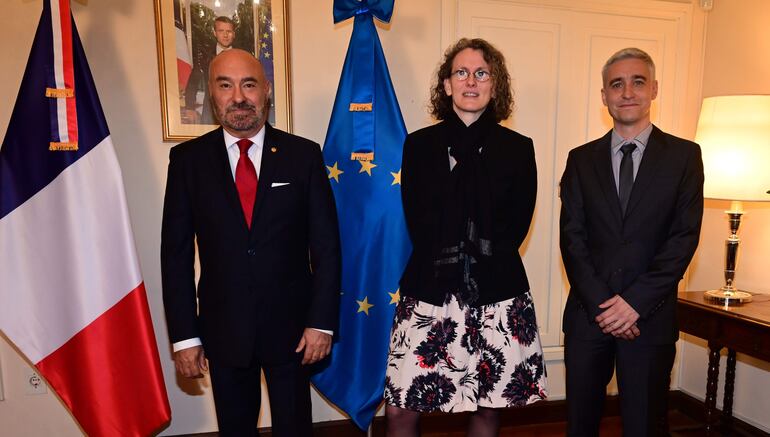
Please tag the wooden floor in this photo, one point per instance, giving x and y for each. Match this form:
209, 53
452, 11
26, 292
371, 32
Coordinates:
544, 419
681, 426
610, 427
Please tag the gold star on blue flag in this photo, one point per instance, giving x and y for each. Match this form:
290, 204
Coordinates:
364, 306
366, 122
396, 177
366, 167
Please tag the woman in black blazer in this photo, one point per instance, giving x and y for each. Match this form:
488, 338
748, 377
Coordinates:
464, 335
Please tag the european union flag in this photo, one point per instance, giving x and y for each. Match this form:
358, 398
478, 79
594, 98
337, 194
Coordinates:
363, 155
264, 51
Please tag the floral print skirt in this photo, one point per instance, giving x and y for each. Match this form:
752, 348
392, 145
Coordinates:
456, 358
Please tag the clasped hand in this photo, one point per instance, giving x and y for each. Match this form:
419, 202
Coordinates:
618, 318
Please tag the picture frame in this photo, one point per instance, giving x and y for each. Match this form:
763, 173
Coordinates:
189, 33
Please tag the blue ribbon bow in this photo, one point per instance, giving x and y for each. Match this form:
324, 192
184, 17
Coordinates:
380, 9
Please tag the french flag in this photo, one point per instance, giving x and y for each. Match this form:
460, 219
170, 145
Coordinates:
72, 299
183, 58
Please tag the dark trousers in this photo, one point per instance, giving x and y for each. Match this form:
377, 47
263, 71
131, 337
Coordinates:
237, 399
643, 376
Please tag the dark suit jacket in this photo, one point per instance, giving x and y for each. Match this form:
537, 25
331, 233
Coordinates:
199, 80
642, 255
256, 287
509, 158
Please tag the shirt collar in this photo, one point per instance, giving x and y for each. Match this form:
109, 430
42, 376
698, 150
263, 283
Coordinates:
258, 139
640, 139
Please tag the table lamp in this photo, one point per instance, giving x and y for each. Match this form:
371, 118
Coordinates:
734, 136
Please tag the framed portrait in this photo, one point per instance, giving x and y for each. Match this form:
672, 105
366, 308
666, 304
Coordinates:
191, 32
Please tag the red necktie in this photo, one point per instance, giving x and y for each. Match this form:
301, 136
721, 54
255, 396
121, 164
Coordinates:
246, 180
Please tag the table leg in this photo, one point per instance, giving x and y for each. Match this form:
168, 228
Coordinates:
727, 407
711, 388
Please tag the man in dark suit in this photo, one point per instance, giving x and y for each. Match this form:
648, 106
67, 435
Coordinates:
224, 34
268, 245
632, 203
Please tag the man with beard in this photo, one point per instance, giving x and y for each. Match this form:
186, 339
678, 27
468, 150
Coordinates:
258, 204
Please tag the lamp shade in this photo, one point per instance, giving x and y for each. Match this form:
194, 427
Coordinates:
734, 135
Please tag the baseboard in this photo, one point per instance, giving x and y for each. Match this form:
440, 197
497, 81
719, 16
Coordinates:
537, 413
695, 408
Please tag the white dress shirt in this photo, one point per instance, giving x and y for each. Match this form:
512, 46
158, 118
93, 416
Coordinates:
221, 49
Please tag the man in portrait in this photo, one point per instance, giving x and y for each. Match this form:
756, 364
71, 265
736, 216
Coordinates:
224, 35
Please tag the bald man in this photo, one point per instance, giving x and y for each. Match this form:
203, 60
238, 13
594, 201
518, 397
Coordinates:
258, 204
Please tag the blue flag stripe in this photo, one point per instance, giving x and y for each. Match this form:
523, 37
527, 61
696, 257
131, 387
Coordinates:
26, 164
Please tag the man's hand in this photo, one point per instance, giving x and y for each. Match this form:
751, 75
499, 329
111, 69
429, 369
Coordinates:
630, 334
618, 318
317, 345
191, 362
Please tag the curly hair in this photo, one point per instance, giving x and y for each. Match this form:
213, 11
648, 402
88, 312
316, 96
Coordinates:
502, 102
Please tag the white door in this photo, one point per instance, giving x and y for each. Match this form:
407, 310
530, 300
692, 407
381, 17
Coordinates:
555, 51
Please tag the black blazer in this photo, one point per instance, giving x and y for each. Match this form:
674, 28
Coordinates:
256, 287
642, 255
509, 158
199, 79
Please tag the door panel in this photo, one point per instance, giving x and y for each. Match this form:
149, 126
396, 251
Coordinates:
555, 50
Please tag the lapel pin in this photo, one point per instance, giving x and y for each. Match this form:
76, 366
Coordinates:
273, 149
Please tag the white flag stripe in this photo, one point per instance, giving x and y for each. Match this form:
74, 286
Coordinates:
58, 60
61, 116
181, 47
58, 69
73, 255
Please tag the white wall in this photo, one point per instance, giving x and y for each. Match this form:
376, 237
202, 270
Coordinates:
736, 62
119, 39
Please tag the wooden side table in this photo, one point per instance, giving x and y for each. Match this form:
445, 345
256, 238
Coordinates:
740, 328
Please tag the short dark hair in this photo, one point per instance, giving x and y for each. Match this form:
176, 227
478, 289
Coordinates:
223, 19
502, 102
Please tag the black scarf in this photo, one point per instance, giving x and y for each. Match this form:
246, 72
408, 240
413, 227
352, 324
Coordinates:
462, 255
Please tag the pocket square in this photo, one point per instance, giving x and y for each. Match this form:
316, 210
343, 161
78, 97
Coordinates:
278, 184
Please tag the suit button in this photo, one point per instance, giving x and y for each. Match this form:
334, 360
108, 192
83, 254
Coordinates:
251, 252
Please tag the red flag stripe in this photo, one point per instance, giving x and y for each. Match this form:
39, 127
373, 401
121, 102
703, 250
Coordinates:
64, 74
108, 367
183, 72
68, 68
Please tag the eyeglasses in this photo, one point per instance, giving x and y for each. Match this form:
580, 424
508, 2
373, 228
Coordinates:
478, 75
